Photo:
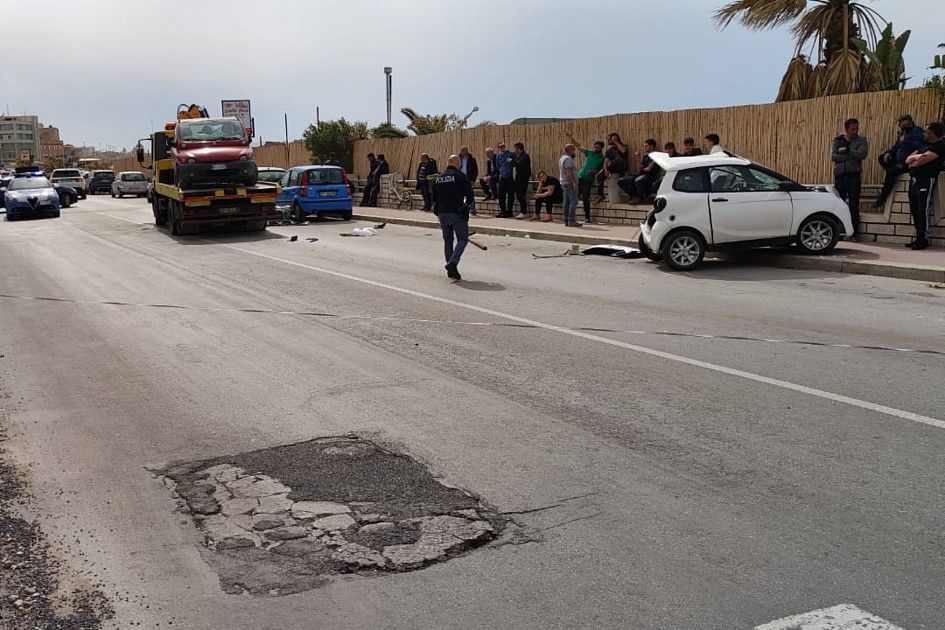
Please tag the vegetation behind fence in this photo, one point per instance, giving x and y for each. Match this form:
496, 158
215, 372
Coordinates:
792, 137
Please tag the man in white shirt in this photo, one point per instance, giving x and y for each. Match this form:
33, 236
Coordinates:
712, 144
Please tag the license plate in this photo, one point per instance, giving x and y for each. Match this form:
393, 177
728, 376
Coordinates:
218, 167
229, 210
328, 193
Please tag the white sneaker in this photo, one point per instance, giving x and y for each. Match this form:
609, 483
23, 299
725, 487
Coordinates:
521, 215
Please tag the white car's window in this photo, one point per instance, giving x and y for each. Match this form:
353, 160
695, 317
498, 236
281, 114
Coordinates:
742, 179
760, 180
691, 180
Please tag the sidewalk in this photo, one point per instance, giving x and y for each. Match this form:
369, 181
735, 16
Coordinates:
874, 259
892, 261
595, 234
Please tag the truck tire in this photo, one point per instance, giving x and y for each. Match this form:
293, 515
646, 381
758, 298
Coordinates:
160, 214
173, 222
256, 226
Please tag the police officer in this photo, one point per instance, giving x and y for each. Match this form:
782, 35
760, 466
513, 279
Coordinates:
452, 193
924, 167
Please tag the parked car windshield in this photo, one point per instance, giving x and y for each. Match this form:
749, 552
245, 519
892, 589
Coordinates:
325, 176
132, 177
29, 183
65, 173
270, 176
103, 176
203, 130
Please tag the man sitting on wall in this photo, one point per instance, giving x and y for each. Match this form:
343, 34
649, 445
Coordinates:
908, 140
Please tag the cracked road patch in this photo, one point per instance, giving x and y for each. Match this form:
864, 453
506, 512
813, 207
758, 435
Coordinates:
285, 519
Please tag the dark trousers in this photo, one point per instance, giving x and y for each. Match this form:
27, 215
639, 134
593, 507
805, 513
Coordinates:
601, 178
921, 198
521, 193
375, 191
506, 195
627, 184
427, 196
547, 203
584, 190
489, 188
643, 183
368, 193
452, 225
848, 186
893, 171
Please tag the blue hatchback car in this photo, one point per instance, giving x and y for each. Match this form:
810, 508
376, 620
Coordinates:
315, 190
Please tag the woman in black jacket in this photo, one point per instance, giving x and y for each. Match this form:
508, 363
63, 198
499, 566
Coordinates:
548, 194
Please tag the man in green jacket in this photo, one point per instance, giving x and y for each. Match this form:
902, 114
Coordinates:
848, 151
593, 163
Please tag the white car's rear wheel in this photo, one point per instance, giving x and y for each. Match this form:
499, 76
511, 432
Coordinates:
683, 250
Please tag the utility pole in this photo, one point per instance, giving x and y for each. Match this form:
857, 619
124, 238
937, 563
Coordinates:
286, 140
318, 121
387, 71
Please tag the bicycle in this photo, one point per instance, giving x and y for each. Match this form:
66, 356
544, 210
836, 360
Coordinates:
403, 195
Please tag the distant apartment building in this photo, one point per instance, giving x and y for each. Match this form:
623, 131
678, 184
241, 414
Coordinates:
19, 135
50, 145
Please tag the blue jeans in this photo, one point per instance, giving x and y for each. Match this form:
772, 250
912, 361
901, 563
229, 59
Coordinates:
570, 203
452, 223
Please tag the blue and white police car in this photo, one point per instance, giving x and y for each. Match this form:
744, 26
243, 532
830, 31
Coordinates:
30, 193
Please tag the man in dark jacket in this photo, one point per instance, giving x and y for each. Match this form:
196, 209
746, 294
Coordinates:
847, 152
505, 164
908, 140
451, 194
925, 166
382, 168
523, 174
425, 169
469, 168
369, 182
490, 182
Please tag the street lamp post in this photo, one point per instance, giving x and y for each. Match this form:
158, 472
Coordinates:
387, 71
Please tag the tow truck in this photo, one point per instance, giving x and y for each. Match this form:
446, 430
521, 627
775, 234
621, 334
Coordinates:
185, 210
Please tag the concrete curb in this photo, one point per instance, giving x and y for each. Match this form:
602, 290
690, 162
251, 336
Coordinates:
538, 235
836, 264
924, 273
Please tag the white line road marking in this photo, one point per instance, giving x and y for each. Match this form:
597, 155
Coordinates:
803, 389
842, 617
810, 391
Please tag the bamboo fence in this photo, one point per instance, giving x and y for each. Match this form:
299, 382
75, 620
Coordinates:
792, 138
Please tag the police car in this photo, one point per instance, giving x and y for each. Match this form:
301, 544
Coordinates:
30, 193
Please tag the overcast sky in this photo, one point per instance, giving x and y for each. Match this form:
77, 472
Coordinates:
103, 71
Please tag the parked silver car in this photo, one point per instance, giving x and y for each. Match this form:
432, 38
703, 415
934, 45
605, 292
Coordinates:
130, 183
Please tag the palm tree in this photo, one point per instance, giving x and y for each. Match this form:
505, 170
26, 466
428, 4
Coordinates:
826, 60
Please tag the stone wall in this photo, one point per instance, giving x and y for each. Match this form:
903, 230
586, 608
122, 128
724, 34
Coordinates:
893, 223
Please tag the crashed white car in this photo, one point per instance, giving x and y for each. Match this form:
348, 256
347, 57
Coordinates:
717, 202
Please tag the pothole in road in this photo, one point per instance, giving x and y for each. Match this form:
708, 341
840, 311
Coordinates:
285, 519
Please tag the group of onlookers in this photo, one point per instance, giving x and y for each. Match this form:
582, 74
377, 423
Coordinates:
921, 154
508, 173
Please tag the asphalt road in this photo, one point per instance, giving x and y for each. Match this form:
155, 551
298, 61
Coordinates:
717, 449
